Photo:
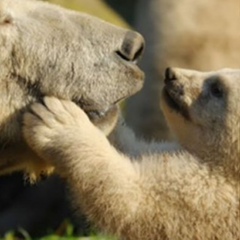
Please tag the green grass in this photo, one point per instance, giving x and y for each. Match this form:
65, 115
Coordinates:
66, 232
76, 238
25, 236
11, 236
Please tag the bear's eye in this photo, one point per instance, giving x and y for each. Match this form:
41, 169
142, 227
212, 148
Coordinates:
216, 90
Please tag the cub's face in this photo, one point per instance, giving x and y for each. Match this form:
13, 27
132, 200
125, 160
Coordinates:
203, 109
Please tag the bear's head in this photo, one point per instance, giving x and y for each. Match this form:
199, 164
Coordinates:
203, 111
48, 50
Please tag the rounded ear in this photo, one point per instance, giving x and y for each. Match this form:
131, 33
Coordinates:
6, 18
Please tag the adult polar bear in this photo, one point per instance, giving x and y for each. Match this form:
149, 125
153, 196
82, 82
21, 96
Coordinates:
48, 50
184, 190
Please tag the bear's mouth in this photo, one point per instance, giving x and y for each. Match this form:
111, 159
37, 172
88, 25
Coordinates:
100, 115
95, 113
172, 96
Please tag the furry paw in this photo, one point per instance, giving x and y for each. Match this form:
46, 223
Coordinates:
52, 127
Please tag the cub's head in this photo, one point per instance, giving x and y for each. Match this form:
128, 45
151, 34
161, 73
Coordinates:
48, 50
203, 111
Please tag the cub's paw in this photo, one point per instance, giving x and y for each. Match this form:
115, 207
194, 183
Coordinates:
51, 127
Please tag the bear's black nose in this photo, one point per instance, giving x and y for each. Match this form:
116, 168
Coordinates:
132, 46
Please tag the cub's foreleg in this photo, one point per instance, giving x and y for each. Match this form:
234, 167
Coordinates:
103, 182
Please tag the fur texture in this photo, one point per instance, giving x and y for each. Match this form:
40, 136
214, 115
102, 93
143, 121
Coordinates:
48, 50
187, 189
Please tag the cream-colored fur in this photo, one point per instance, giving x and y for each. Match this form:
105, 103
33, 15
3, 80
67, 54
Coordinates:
48, 50
177, 191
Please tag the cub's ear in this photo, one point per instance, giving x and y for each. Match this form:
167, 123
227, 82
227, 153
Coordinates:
5, 18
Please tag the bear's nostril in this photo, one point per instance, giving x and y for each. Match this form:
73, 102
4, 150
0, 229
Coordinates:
119, 53
132, 47
138, 54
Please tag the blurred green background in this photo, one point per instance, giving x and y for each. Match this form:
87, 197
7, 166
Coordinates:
98, 8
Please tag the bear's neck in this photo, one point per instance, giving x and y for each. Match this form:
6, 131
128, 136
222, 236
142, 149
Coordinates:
221, 154
224, 160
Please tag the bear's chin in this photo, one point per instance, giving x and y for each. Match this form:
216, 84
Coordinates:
104, 119
175, 103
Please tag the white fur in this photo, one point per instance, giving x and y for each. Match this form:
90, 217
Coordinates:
178, 191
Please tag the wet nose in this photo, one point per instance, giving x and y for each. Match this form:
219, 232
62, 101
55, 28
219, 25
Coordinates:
170, 74
132, 46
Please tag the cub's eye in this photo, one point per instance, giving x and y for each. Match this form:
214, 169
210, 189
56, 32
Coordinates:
216, 90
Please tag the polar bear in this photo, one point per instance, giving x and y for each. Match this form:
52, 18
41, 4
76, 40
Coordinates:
188, 189
48, 50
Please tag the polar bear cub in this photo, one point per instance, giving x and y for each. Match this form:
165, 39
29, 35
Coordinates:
185, 190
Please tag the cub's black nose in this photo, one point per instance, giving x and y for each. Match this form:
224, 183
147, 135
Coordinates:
170, 75
132, 47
